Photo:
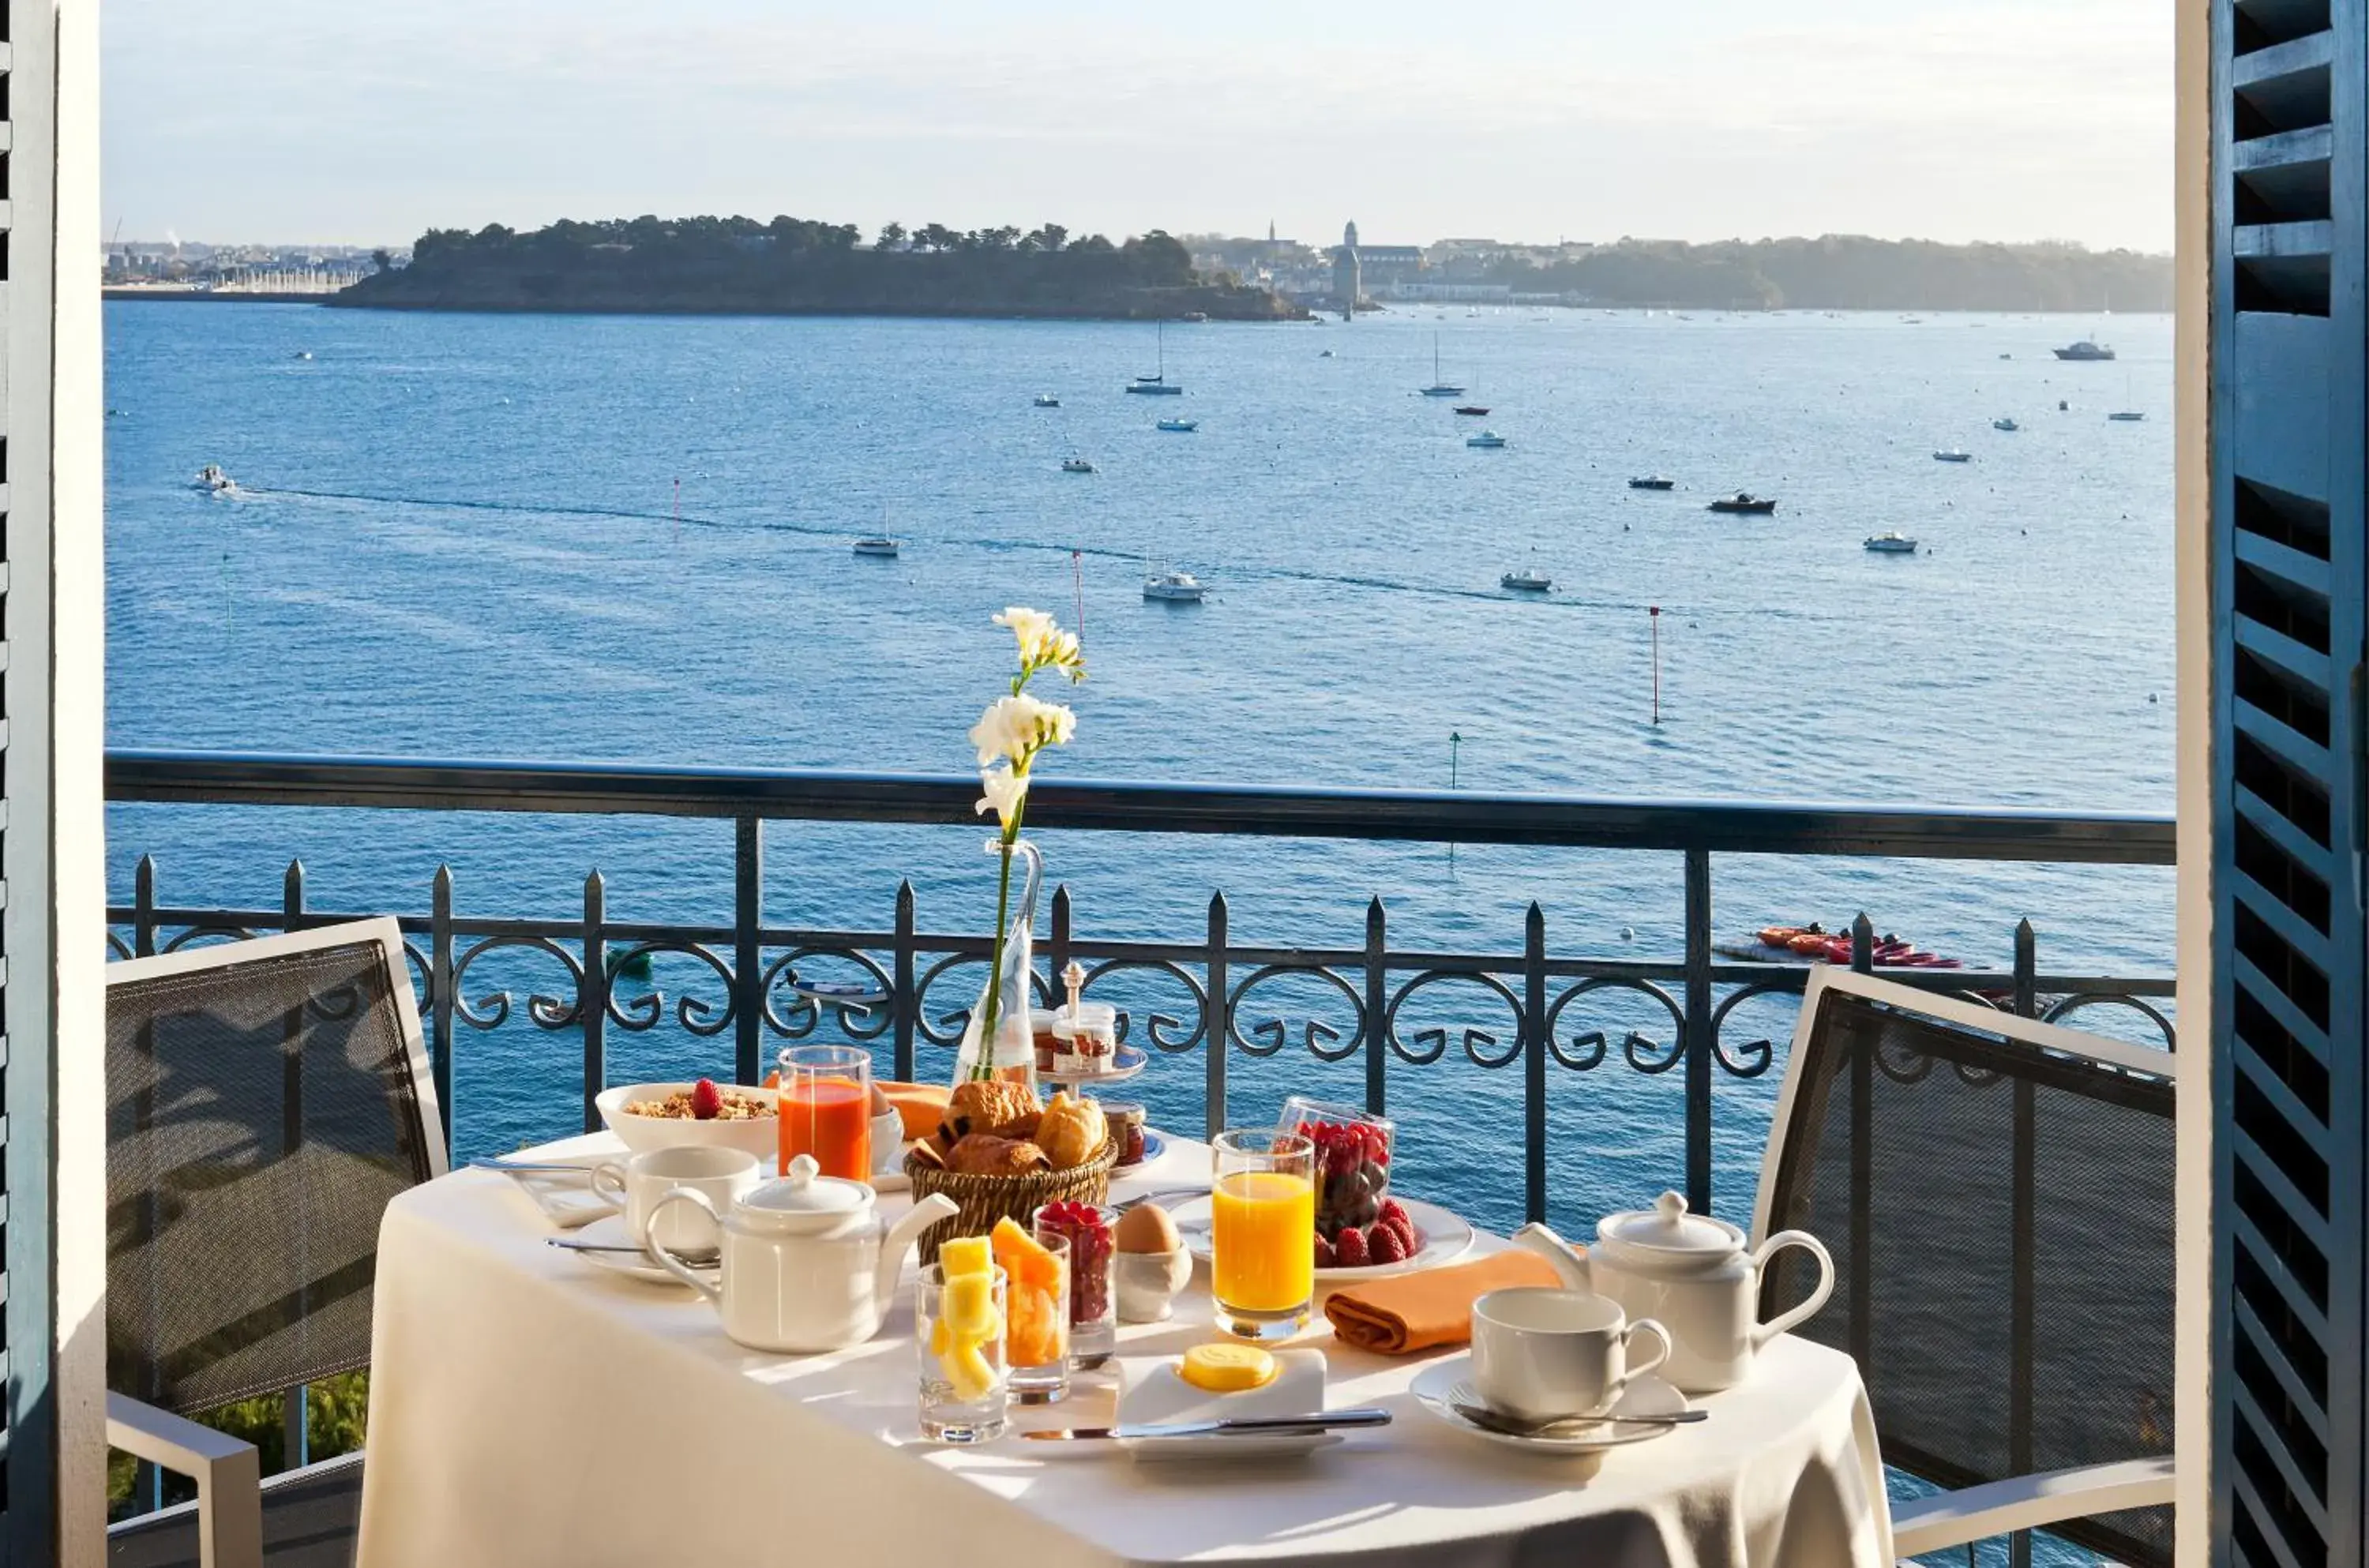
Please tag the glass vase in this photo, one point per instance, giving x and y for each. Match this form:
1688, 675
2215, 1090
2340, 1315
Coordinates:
1005, 1045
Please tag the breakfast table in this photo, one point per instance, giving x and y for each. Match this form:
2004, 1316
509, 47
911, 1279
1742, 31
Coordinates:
527, 1406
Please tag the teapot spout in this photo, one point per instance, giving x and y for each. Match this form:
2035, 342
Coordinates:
1569, 1263
899, 1240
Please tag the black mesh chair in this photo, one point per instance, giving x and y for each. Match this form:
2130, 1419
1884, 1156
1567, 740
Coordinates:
265, 1100
1998, 1196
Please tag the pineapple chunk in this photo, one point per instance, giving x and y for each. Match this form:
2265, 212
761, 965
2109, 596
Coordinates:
1228, 1368
941, 1339
964, 1255
967, 1367
967, 1308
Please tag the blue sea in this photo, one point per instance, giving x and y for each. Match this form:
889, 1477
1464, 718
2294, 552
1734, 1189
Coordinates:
627, 539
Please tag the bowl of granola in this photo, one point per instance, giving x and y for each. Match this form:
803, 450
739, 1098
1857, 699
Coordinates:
704, 1115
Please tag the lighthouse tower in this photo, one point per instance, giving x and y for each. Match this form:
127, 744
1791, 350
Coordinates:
1348, 279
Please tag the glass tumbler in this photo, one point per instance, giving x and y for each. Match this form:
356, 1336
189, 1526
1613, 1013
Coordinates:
1263, 1232
826, 1109
1036, 1323
958, 1329
1089, 1228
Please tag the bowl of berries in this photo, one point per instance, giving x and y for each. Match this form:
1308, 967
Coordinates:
1359, 1226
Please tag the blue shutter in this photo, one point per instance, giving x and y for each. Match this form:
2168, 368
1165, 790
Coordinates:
2288, 480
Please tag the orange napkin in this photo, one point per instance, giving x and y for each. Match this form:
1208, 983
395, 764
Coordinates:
1407, 1312
924, 1105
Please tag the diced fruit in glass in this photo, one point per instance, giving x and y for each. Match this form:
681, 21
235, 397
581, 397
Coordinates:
969, 1305
964, 1255
967, 1368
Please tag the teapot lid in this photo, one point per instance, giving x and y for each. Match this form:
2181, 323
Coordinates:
1668, 1226
805, 1190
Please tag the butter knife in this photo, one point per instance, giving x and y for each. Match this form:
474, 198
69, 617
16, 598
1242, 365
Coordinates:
1317, 1421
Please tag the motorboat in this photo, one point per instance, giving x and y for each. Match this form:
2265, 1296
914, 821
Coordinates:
1158, 385
1076, 466
1653, 482
214, 481
1745, 501
2007, 425
1439, 388
1471, 408
1951, 454
1527, 581
1489, 440
1174, 587
876, 545
1047, 400
1184, 426
2086, 350
2127, 416
303, 354
1324, 353
1891, 542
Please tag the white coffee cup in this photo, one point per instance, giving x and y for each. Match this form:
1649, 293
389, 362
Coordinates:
636, 1185
1539, 1354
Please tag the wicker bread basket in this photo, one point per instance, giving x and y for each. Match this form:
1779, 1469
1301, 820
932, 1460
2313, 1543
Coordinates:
986, 1199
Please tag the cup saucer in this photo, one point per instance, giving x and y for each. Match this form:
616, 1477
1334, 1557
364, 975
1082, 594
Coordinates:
1648, 1395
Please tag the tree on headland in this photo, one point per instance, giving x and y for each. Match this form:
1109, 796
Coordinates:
381, 259
935, 236
892, 236
1050, 238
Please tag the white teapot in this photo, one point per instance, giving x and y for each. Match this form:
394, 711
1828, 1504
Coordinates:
1691, 1272
806, 1265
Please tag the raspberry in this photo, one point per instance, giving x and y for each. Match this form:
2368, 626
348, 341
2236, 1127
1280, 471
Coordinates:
1323, 1253
1386, 1244
1408, 1234
1394, 1213
707, 1100
1349, 1250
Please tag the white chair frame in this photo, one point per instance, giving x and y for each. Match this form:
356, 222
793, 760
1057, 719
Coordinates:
228, 1472
2020, 1503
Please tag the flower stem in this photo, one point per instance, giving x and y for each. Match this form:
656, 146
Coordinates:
983, 1065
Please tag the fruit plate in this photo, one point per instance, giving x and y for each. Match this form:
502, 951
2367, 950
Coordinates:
1445, 1237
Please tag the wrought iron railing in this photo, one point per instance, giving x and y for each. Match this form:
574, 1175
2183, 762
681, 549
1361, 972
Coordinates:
1223, 1014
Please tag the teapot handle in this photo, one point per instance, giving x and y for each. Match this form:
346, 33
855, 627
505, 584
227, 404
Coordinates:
667, 1260
1764, 1333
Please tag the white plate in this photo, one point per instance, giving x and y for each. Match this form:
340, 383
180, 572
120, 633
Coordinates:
1126, 1062
567, 1200
1445, 1238
1647, 1396
610, 1233
1150, 1390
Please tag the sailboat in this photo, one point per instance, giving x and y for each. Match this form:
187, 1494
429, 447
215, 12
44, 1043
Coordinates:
1439, 388
1158, 385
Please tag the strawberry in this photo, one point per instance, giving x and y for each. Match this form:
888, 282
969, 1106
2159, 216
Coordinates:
706, 1101
1323, 1253
1349, 1250
1385, 1243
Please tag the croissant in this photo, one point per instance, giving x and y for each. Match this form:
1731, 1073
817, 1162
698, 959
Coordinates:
982, 1104
1070, 1130
984, 1155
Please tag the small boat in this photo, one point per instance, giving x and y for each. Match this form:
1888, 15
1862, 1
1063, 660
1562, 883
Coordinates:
1076, 466
1745, 501
304, 354
2128, 416
877, 544
1651, 482
2007, 425
1527, 581
1951, 454
1489, 440
1174, 587
1439, 388
1047, 400
1891, 542
214, 481
1324, 353
1472, 408
1184, 426
2086, 349
1196, 315
1158, 385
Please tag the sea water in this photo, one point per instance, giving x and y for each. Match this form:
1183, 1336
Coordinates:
627, 539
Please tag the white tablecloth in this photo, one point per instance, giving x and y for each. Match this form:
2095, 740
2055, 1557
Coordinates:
527, 1407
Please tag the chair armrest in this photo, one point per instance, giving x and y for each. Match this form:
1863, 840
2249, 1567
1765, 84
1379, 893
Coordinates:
228, 1474
2026, 1502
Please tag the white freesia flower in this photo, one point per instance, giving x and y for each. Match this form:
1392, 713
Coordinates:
1043, 644
1016, 728
1005, 792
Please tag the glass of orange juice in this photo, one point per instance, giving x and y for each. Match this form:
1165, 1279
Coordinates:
826, 1109
1263, 1232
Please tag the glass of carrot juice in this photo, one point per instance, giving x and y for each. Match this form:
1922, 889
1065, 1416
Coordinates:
826, 1109
1262, 1231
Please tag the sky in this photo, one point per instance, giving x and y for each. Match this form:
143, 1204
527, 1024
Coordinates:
298, 122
